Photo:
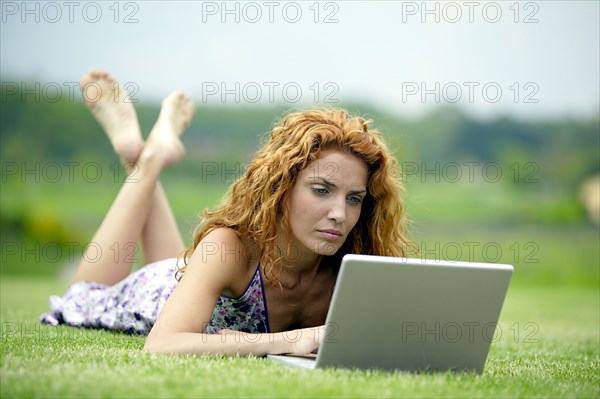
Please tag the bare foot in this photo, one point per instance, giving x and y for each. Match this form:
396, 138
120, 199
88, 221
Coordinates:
111, 107
175, 116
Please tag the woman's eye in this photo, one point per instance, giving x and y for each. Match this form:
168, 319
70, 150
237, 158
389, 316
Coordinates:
355, 200
319, 190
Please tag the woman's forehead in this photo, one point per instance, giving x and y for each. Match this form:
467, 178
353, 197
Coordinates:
337, 166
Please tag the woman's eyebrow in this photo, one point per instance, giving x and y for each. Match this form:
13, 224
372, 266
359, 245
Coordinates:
332, 184
324, 181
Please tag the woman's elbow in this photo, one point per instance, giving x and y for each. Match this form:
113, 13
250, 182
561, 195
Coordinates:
150, 347
154, 344
173, 344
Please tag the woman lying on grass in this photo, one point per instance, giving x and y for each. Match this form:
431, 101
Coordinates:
259, 277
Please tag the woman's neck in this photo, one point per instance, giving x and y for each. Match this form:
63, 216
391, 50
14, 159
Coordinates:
298, 262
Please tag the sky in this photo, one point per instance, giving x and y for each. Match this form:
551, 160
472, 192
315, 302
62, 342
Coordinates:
526, 59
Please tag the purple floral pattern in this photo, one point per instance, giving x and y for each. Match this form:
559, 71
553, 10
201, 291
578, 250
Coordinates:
133, 304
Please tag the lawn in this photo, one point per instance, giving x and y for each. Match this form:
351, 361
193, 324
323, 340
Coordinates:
548, 346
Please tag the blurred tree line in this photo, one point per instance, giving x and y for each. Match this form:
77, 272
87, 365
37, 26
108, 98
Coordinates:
561, 154
558, 155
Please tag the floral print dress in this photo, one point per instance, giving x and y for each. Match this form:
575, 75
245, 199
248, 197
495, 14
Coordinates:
133, 304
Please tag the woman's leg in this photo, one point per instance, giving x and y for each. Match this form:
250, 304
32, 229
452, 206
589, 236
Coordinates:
161, 238
107, 260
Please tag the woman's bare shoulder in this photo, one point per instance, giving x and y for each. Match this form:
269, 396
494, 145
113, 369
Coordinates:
234, 254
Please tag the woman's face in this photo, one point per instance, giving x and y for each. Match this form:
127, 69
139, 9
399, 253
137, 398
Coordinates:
325, 202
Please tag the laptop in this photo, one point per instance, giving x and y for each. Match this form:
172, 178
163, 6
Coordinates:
411, 315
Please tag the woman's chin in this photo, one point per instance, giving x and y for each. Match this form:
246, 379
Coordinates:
326, 249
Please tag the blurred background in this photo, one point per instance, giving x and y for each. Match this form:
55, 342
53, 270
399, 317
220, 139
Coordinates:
492, 109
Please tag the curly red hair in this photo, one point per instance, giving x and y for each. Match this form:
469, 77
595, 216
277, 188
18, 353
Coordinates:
254, 204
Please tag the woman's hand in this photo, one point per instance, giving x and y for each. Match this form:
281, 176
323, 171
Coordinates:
305, 340
295, 342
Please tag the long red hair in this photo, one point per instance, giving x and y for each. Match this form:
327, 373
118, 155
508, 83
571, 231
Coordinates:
253, 206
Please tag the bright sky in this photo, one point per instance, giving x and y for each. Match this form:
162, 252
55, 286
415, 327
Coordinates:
529, 59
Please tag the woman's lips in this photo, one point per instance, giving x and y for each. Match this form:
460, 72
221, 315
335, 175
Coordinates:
331, 234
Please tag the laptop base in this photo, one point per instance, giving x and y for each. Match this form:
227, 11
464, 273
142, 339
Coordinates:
301, 362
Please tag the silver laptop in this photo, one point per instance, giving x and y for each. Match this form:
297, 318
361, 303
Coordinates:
410, 314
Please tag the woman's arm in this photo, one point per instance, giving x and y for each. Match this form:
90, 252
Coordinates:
180, 325
232, 343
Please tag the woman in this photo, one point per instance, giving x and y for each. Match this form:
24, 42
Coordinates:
323, 185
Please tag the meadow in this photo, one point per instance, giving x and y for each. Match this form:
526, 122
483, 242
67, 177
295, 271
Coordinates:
59, 177
546, 343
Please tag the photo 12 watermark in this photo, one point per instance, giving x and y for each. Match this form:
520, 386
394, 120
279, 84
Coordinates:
466, 331
470, 172
227, 172
252, 12
52, 92
39, 252
71, 172
252, 92
515, 252
326, 333
469, 92
52, 12
35, 330
455, 12
224, 253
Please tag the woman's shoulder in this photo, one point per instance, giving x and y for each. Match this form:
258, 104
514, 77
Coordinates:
235, 254
222, 235
228, 241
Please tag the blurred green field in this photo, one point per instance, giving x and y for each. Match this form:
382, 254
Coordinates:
473, 222
449, 221
476, 221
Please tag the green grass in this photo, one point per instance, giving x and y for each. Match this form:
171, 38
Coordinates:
549, 347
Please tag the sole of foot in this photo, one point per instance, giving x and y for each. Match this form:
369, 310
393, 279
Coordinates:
111, 107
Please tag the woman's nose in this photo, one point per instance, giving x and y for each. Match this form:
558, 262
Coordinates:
337, 211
